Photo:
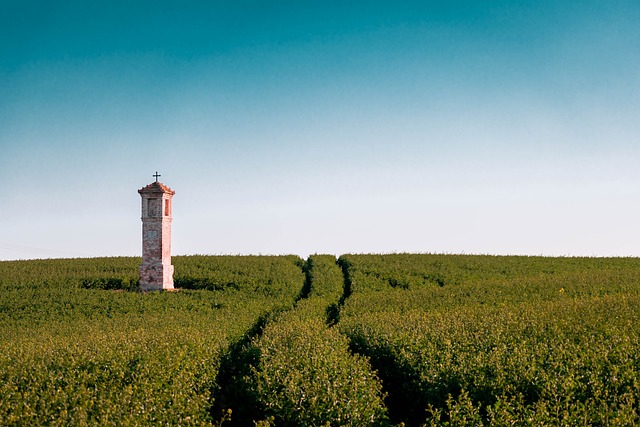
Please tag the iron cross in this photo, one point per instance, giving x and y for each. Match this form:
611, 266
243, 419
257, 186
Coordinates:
157, 175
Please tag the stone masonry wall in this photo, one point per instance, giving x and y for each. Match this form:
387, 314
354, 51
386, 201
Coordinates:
156, 271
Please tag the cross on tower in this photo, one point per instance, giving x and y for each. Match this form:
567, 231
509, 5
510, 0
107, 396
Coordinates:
157, 175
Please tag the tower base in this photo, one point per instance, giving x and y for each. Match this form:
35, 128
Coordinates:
156, 277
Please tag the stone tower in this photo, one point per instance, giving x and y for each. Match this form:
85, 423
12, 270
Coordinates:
156, 271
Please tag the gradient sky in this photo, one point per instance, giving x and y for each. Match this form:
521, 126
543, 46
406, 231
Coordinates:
501, 127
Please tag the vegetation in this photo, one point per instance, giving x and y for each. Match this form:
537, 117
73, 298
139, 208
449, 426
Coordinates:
306, 375
478, 340
362, 340
75, 356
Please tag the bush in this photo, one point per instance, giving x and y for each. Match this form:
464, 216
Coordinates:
110, 283
306, 376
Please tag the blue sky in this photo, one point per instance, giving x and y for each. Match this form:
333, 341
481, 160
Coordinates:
503, 127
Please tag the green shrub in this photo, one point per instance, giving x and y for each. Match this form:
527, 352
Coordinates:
72, 353
506, 340
306, 376
110, 283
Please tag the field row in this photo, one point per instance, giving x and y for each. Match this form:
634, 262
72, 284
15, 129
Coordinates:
76, 356
467, 340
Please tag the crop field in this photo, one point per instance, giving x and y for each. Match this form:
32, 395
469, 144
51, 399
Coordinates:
379, 340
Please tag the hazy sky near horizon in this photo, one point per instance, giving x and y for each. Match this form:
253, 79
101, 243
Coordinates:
502, 127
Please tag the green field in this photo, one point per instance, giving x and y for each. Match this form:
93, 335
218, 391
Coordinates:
379, 340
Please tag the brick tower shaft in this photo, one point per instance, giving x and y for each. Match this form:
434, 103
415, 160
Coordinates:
156, 271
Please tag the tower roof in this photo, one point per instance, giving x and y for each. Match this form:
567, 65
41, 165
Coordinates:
156, 187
